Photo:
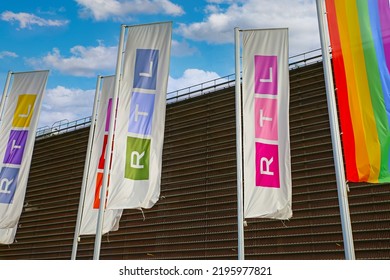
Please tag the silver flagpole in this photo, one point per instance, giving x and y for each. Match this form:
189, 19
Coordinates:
103, 192
336, 142
240, 207
86, 170
5, 93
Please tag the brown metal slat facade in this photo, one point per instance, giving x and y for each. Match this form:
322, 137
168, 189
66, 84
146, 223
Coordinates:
196, 216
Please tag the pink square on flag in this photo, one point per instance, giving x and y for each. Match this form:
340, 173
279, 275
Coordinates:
267, 166
266, 74
266, 118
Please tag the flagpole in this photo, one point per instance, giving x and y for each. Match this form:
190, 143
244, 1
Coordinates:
5, 93
103, 192
86, 170
240, 208
336, 142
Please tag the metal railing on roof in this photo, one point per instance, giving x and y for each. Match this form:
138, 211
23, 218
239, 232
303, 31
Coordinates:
296, 61
305, 59
62, 126
202, 88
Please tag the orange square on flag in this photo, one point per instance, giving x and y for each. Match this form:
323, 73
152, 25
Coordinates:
24, 110
98, 186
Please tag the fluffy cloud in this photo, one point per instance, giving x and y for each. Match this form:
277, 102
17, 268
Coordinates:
122, 9
26, 20
222, 16
7, 54
63, 103
83, 61
191, 77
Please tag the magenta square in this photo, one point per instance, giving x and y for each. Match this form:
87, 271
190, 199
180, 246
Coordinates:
267, 166
108, 115
266, 74
266, 118
15, 146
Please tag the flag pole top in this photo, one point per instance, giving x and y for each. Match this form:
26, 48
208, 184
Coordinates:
145, 24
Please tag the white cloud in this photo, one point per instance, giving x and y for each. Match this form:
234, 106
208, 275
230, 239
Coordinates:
83, 62
182, 49
217, 28
190, 77
211, 9
7, 53
122, 9
63, 103
27, 20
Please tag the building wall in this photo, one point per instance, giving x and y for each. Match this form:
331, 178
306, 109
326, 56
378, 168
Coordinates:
196, 216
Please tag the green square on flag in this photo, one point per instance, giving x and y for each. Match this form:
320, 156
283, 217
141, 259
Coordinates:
137, 158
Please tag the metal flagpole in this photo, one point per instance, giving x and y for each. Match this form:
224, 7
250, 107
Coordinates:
5, 93
86, 170
240, 208
336, 142
103, 191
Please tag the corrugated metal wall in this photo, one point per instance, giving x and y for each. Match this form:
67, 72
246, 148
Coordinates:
196, 215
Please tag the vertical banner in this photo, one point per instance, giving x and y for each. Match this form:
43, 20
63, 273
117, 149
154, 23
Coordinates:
137, 157
360, 39
266, 139
18, 128
96, 166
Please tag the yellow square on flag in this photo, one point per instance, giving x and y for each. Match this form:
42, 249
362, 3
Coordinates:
24, 110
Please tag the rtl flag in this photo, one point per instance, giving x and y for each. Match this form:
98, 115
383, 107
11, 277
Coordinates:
95, 169
266, 139
139, 133
18, 127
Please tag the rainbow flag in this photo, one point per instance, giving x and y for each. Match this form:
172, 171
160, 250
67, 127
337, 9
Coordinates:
360, 39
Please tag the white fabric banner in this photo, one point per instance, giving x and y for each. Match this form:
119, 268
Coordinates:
137, 158
18, 128
266, 139
7, 235
96, 167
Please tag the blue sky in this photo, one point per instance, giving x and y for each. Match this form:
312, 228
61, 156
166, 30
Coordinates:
77, 40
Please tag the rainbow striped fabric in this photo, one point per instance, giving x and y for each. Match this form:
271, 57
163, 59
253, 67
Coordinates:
360, 39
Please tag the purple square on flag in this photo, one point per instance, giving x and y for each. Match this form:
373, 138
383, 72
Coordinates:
8, 183
141, 113
267, 166
145, 70
266, 74
108, 115
15, 147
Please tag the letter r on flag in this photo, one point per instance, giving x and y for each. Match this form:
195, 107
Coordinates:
137, 158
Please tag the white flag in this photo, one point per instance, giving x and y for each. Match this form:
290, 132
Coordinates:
18, 128
7, 235
96, 166
266, 139
136, 173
